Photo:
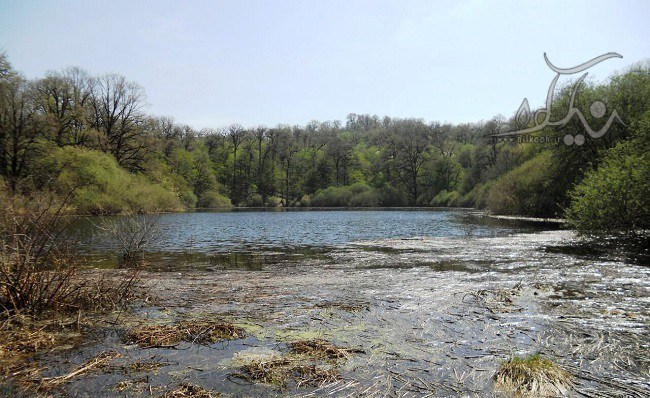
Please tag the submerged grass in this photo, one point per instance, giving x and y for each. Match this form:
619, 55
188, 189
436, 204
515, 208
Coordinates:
202, 332
281, 370
24, 337
99, 361
144, 366
533, 376
311, 363
319, 348
187, 390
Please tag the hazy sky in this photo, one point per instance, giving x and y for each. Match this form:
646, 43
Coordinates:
264, 62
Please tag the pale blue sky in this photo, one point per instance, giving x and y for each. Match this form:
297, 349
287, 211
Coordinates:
212, 63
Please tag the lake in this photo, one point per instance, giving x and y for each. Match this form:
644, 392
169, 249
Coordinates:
431, 302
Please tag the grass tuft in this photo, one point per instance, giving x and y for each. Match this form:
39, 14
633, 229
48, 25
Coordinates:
319, 348
533, 376
280, 371
187, 390
202, 332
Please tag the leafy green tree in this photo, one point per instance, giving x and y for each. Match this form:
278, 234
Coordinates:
615, 197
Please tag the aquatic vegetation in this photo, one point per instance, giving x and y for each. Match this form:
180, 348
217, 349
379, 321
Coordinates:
202, 332
321, 349
187, 390
99, 361
280, 370
144, 366
24, 337
533, 376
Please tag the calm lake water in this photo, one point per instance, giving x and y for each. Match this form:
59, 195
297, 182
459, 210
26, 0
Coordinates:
250, 231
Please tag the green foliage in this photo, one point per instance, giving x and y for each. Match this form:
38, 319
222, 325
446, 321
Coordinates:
130, 162
615, 196
477, 197
390, 196
212, 200
332, 197
368, 198
447, 199
305, 201
527, 190
100, 186
355, 195
255, 200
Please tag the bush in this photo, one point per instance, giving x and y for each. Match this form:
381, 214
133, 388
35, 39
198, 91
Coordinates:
368, 198
477, 197
615, 196
38, 270
305, 201
213, 199
528, 190
131, 236
357, 195
100, 186
448, 199
392, 197
273, 201
332, 197
254, 200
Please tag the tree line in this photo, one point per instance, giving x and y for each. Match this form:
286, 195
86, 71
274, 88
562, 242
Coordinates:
91, 135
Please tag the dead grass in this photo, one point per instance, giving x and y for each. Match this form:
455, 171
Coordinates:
280, 371
99, 361
533, 376
22, 337
39, 271
201, 332
144, 366
319, 348
187, 390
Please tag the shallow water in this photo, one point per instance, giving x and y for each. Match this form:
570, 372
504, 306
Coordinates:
421, 293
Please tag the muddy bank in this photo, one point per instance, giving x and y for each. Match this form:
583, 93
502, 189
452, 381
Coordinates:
425, 316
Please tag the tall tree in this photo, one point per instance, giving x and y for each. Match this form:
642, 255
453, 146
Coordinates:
20, 128
65, 97
118, 116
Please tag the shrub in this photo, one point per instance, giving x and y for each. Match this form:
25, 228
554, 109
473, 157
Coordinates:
392, 197
358, 187
38, 270
213, 199
529, 190
254, 200
448, 199
132, 236
100, 186
369, 198
455, 199
305, 201
273, 201
332, 197
615, 196
477, 197
358, 195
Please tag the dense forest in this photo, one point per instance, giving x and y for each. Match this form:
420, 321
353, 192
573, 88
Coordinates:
90, 138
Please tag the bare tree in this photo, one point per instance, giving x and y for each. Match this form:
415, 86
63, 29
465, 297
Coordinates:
65, 97
131, 236
118, 116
